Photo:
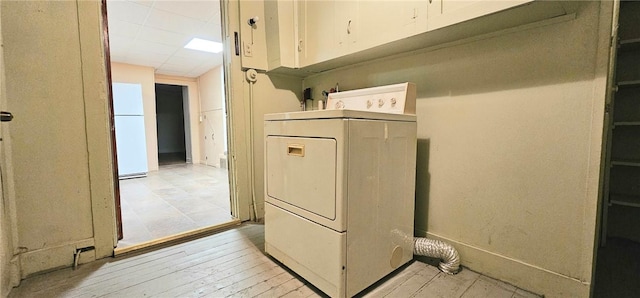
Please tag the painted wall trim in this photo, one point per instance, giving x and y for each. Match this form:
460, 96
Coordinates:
237, 110
55, 257
100, 162
515, 272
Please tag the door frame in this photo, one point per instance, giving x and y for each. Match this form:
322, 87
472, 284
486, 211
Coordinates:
240, 186
238, 211
112, 125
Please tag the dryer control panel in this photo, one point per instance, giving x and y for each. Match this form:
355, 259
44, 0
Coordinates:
394, 99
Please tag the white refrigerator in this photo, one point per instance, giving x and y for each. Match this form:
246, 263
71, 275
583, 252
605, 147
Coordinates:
131, 145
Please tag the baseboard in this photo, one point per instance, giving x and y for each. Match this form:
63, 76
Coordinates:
520, 274
53, 258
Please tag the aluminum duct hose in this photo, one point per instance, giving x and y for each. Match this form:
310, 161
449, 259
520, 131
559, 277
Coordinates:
448, 255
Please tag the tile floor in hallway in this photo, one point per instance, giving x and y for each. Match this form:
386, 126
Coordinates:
177, 198
232, 263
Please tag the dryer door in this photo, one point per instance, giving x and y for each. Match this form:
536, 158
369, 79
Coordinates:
302, 172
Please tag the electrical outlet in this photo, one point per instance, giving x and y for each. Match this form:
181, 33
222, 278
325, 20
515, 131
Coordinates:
248, 49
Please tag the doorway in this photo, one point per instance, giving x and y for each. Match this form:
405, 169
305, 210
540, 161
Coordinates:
171, 103
182, 195
618, 257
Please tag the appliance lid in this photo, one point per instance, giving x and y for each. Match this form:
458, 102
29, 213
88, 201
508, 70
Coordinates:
339, 114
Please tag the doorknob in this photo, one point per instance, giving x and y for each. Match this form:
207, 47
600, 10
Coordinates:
5, 116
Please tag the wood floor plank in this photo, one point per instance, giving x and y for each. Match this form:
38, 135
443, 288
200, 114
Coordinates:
225, 277
413, 284
109, 275
103, 267
485, 287
281, 290
303, 291
519, 293
187, 276
231, 282
123, 279
265, 285
253, 278
388, 286
444, 285
233, 264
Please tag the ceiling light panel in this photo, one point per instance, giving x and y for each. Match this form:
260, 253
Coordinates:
204, 45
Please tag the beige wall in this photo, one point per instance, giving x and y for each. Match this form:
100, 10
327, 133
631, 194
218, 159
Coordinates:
273, 93
7, 203
60, 146
213, 135
194, 109
145, 76
509, 133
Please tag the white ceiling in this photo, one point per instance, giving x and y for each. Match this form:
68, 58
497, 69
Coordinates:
154, 32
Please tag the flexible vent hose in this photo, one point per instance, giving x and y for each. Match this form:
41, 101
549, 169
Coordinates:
448, 255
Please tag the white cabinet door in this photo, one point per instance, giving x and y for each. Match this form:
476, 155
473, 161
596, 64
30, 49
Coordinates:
443, 13
316, 36
382, 22
346, 26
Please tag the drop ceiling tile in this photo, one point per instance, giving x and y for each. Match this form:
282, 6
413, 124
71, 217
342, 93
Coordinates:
118, 39
160, 19
143, 2
127, 11
123, 28
164, 37
118, 49
199, 10
143, 62
188, 53
146, 56
216, 18
119, 45
118, 58
209, 31
152, 47
186, 61
159, 41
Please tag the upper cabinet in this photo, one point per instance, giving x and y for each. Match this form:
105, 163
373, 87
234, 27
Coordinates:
330, 29
381, 22
346, 25
282, 30
325, 34
316, 31
444, 13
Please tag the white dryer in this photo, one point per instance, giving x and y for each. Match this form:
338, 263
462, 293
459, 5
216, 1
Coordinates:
340, 188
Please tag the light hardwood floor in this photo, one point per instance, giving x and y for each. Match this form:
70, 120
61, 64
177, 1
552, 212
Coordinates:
232, 263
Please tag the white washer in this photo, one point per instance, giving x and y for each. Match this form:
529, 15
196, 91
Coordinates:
339, 193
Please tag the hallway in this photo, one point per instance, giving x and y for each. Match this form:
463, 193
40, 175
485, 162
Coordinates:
175, 199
